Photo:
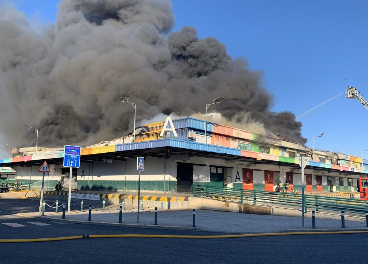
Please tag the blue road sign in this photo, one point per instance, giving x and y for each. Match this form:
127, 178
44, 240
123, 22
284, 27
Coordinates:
72, 156
140, 163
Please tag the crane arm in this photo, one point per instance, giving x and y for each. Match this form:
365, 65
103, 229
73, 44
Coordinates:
353, 92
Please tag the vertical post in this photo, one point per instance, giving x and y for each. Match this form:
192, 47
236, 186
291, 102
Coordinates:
82, 205
164, 183
135, 114
142, 205
90, 212
103, 204
205, 125
70, 188
302, 168
254, 196
316, 197
313, 219
36, 140
43, 208
42, 185
139, 193
155, 215
63, 216
343, 219
241, 197
120, 214
194, 218
366, 218
56, 206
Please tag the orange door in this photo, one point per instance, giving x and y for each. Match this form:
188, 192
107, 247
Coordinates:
308, 182
248, 179
319, 183
268, 178
290, 181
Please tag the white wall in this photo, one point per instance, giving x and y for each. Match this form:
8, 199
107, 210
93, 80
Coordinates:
201, 173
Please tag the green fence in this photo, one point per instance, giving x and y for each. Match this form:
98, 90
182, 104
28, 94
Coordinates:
311, 202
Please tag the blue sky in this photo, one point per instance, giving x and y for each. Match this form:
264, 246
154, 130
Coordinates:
308, 50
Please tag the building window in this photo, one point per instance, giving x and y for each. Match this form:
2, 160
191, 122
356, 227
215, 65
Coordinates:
263, 149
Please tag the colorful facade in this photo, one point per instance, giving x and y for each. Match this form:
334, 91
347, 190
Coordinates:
232, 157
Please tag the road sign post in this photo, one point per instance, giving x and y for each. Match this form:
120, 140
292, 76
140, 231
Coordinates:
71, 160
44, 168
140, 167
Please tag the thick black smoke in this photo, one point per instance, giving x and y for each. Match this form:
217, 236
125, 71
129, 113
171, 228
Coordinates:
67, 80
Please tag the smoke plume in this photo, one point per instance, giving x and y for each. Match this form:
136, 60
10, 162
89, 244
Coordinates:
67, 79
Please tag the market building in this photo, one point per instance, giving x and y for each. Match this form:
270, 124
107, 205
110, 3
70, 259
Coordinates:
177, 156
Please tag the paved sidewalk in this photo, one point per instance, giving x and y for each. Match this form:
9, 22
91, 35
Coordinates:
226, 222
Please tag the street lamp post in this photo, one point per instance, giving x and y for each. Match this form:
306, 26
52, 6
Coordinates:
313, 144
215, 101
9, 149
36, 130
126, 100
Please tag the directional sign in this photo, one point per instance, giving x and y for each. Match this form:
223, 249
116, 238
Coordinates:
44, 167
71, 156
140, 163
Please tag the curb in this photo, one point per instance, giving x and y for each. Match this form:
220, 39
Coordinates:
129, 197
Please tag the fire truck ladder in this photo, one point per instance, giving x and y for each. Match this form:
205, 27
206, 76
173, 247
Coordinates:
353, 92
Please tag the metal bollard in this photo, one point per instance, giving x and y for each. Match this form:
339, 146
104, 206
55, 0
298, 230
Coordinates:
43, 208
103, 205
57, 206
89, 214
63, 216
155, 215
142, 205
366, 218
313, 219
343, 219
82, 206
194, 218
120, 214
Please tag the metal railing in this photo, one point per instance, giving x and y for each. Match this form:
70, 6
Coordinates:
311, 202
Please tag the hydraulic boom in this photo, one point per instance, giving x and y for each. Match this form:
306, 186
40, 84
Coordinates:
352, 92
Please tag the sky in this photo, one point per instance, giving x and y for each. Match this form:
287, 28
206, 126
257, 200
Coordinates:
308, 51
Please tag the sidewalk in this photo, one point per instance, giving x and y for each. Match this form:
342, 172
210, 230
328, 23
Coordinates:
205, 220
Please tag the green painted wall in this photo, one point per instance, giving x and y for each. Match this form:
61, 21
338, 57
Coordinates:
259, 186
161, 186
238, 185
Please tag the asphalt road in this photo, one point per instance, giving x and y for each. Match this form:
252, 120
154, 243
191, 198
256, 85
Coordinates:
330, 248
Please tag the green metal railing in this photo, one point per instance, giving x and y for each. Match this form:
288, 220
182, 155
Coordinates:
312, 202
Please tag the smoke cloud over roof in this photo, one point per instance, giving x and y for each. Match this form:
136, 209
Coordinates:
67, 79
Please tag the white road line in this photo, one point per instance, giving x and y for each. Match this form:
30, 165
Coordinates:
13, 224
60, 223
38, 223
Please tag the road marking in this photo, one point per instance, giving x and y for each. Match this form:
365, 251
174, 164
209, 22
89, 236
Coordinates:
38, 223
13, 224
60, 223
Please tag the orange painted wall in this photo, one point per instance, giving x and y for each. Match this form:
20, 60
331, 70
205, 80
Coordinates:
223, 130
223, 140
